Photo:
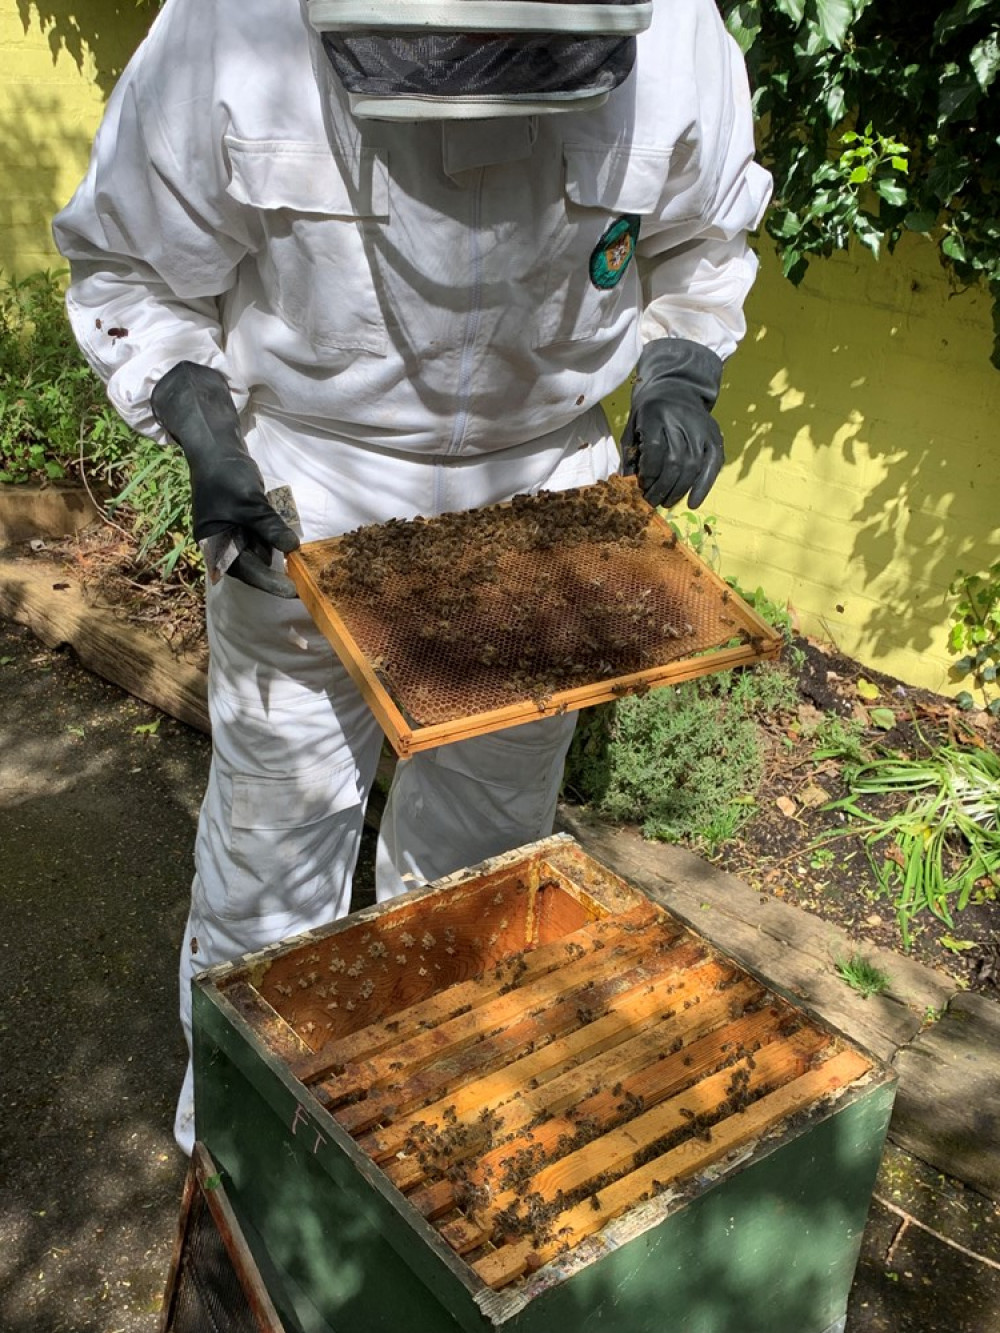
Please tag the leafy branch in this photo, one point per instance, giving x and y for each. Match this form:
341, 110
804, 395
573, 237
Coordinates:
923, 83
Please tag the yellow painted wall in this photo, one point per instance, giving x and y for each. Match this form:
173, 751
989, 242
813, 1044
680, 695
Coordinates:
862, 418
861, 414
58, 61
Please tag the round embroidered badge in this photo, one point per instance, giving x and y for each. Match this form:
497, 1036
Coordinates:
613, 251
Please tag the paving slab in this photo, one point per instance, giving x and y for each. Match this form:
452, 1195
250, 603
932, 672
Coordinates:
948, 1104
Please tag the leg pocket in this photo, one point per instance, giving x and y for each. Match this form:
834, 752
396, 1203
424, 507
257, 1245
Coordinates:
294, 841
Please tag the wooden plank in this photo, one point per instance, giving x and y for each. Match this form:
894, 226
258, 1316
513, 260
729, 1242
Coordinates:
49, 600
443, 1005
637, 1072
946, 1107
463, 1028
652, 1007
55, 510
792, 949
615, 1152
281, 1039
507, 1263
498, 1048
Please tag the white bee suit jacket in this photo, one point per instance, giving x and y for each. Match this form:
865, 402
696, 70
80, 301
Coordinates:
413, 318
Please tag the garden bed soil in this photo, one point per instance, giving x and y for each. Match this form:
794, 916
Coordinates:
784, 850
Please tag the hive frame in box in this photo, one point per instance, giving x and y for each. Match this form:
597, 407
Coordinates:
764, 1238
204, 1205
408, 735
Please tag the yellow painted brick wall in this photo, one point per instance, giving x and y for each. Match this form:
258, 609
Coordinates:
862, 419
861, 414
58, 62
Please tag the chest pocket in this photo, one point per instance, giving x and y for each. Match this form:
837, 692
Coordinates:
320, 219
602, 187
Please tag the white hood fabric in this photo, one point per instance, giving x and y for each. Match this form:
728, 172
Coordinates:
413, 318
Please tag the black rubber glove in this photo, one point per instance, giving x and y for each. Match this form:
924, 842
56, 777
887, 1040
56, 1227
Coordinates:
193, 404
671, 441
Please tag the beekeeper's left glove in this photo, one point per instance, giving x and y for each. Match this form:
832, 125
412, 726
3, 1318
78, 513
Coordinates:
671, 440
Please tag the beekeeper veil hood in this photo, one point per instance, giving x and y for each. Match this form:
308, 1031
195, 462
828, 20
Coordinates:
470, 59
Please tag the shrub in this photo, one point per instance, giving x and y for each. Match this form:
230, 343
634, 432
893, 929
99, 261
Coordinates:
684, 762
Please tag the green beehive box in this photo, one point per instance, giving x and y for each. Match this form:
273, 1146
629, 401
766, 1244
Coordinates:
525, 1098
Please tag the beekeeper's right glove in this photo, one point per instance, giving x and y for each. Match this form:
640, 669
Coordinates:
194, 406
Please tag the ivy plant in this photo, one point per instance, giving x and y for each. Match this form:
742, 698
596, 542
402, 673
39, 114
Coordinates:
878, 117
975, 632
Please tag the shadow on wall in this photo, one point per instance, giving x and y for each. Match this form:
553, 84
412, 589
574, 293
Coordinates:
48, 114
37, 142
105, 32
867, 407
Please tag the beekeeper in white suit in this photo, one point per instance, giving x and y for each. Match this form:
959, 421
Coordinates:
347, 247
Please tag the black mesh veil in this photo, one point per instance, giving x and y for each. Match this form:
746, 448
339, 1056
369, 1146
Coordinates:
460, 65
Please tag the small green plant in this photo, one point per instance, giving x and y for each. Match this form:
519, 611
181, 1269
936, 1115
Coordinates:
839, 738
684, 763
56, 422
821, 858
862, 975
776, 615
698, 532
975, 632
944, 843
51, 402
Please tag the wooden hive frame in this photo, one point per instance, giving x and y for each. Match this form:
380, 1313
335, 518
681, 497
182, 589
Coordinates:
537, 1054
740, 636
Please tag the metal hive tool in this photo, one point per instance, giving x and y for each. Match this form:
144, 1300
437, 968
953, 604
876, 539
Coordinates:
468, 623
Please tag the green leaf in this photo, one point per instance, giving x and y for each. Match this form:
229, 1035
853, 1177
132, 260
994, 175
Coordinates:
892, 192
920, 220
965, 701
743, 22
859, 175
958, 16
884, 718
954, 247
212, 1182
834, 18
957, 97
956, 946
866, 690
147, 728
985, 59
794, 9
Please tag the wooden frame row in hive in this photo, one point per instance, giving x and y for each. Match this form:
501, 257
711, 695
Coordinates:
585, 1053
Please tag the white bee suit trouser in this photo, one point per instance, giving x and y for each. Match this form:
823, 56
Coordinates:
295, 746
